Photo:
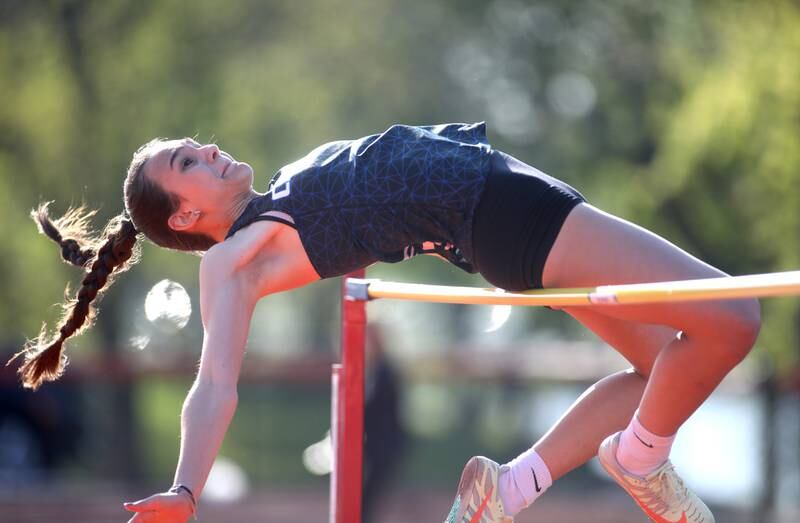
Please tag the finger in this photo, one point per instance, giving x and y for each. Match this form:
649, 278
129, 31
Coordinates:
143, 505
133, 507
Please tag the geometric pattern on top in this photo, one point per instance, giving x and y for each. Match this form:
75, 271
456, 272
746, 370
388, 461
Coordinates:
379, 198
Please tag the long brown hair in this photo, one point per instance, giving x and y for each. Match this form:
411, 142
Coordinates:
147, 209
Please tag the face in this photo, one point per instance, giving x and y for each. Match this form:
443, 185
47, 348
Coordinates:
206, 180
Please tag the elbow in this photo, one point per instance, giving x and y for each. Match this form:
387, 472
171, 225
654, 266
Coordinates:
227, 396
222, 395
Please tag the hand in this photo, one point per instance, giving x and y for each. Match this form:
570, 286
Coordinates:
168, 507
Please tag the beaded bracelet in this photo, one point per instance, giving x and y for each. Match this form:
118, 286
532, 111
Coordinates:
178, 488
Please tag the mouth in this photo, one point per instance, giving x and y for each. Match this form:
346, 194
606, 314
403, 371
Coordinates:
224, 170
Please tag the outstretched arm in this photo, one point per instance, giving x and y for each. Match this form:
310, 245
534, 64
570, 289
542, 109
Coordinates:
256, 262
226, 305
226, 309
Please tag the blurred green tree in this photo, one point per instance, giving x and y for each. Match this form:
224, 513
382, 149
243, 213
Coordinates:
682, 116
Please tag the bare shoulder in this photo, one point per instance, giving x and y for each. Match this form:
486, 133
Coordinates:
227, 257
228, 260
264, 257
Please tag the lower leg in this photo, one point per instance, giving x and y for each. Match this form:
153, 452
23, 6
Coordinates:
685, 374
607, 406
604, 408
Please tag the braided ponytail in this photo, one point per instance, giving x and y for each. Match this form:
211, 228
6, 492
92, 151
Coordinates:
78, 249
44, 360
149, 206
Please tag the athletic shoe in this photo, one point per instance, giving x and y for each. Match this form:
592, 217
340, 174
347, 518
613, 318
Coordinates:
477, 499
661, 494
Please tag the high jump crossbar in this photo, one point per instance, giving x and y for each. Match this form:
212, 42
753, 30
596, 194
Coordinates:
726, 287
347, 413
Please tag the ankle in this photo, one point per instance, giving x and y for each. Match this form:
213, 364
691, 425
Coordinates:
640, 451
522, 481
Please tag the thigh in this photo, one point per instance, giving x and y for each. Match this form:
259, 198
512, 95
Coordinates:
595, 248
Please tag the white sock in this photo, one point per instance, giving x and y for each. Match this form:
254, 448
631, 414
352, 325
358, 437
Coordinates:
640, 451
522, 480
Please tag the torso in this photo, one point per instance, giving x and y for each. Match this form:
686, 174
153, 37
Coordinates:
388, 197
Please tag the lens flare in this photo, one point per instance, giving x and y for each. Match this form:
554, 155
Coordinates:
499, 316
168, 305
318, 457
227, 482
140, 342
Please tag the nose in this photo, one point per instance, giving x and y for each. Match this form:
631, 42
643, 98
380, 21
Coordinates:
212, 151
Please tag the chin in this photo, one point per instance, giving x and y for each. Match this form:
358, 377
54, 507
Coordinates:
241, 172
247, 173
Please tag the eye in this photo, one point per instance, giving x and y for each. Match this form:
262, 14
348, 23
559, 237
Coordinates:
186, 162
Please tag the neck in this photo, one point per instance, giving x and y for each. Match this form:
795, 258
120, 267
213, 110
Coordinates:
230, 215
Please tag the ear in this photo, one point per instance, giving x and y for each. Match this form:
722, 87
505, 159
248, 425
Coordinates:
183, 219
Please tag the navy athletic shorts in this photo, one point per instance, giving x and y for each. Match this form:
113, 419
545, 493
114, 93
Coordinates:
516, 222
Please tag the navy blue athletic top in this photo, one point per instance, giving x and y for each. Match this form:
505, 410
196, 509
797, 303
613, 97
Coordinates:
378, 198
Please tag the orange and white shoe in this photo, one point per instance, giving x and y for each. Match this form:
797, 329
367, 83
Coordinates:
661, 494
477, 499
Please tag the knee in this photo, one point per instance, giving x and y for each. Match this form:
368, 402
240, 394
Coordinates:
748, 322
738, 328
643, 371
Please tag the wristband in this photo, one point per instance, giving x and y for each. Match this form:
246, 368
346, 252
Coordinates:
183, 488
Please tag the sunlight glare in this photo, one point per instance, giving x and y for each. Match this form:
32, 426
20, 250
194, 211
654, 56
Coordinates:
168, 304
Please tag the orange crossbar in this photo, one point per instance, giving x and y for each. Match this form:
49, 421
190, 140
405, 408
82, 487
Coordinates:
727, 287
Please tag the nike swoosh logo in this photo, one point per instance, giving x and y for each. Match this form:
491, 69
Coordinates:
535, 481
477, 517
656, 517
648, 445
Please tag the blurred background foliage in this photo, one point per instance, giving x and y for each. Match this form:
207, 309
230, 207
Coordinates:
682, 116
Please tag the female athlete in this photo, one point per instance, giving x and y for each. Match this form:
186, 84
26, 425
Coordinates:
438, 190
